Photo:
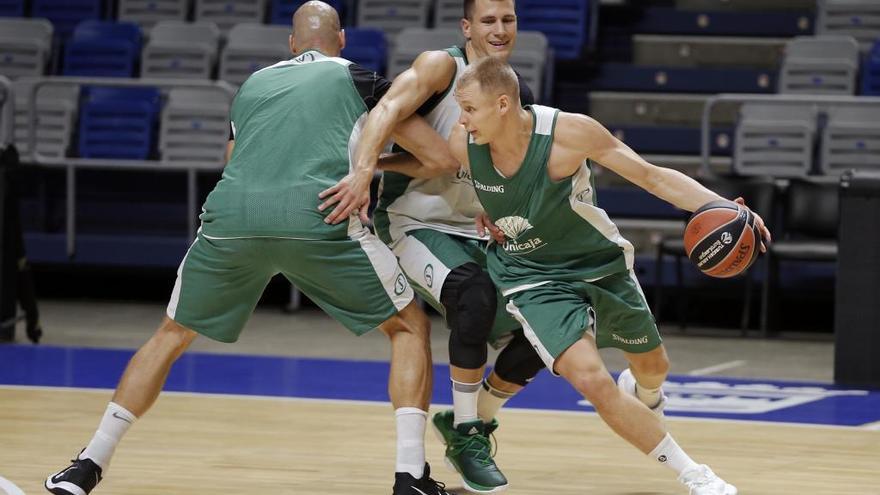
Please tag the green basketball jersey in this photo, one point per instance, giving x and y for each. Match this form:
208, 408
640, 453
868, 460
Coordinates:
296, 124
555, 230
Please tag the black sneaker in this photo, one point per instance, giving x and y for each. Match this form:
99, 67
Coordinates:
80, 478
406, 484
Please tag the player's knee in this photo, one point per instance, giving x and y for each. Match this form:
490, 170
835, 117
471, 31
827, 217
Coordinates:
518, 363
596, 386
654, 363
411, 320
470, 299
174, 336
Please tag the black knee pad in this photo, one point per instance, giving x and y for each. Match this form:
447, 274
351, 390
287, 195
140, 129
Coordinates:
470, 300
518, 362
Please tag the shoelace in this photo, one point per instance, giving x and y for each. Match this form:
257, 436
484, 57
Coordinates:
440, 486
476, 444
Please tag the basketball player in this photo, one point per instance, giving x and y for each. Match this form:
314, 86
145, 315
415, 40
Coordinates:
429, 223
565, 269
293, 124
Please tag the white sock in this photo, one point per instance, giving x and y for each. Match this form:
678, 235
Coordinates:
668, 453
649, 396
464, 402
411, 423
116, 421
490, 400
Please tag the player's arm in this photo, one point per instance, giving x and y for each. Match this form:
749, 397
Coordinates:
409, 91
458, 141
230, 145
579, 135
584, 137
430, 73
427, 157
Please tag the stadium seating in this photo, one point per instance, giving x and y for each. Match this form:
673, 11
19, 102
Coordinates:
57, 111
871, 71
194, 126
820, 65
366, 47
667, 20
775, 139
181, 49
11, 8
65, 15
118, 122
448, 14
809, 231
392, 16
104, 49
851, 139
25, 46
227, 13
857, 18
146, 13
411, 42
566, 23
252, 47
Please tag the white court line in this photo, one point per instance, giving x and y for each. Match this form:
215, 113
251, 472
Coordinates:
9, 487
872, 426
709, 370
106, 392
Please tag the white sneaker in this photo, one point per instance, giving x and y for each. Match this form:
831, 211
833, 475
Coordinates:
702, 481
627, 383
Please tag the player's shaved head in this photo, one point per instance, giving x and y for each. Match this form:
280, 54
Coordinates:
316, 25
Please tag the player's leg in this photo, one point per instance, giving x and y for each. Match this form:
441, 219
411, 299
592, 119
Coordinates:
217, 287
448, 272
627, 324
359, 283
515, 367
561, 326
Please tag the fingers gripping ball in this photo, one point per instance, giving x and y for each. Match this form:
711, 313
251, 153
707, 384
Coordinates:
721, 238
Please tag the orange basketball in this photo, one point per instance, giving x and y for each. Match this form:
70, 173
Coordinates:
721, 238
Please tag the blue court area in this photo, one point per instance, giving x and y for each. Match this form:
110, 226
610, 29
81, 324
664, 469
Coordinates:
721, 398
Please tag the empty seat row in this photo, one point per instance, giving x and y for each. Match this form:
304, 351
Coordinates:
113, 122
779, 139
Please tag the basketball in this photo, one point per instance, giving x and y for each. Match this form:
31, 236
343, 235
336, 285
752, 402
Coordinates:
721, 238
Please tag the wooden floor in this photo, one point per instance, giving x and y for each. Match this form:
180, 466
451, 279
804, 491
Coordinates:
199, 444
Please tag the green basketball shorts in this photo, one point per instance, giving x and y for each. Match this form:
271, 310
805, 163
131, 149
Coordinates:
613, 309
357, 281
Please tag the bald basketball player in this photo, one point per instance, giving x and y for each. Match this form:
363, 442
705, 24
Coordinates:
293, 124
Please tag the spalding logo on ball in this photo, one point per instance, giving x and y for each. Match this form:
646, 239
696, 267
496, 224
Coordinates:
722, 238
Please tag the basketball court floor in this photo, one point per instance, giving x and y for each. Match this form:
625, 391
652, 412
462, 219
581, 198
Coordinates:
299, 406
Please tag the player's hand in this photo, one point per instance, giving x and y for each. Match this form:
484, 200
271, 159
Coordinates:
484, 225
765, 233
351, 195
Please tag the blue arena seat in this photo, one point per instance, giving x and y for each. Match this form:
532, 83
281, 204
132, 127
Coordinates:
668, 20
871, 71
118, 122
65, 15
615, 76
281, 11
366, 47
565, 23
103, 48
11, 8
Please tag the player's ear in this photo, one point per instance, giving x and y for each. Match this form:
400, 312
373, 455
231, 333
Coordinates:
341, 39
291, 44
503, 104
466, 28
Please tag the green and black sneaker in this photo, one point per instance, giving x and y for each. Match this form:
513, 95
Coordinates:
469, 452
